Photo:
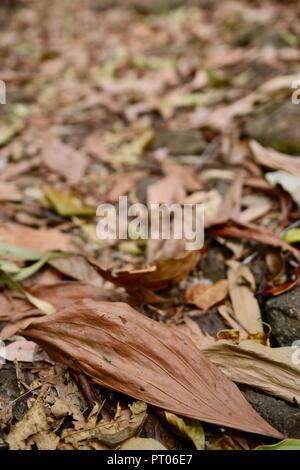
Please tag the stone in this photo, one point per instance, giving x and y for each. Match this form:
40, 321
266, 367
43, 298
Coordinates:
283, 314
275, 124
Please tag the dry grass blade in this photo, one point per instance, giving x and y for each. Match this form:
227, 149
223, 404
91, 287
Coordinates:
123, 350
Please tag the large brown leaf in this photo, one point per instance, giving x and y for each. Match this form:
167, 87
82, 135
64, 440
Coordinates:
124, 350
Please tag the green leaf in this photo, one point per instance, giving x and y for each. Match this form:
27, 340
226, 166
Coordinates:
286, 444
9, 267
43, 306
34, 268
22, 253
65, 205
292, 236
189, 428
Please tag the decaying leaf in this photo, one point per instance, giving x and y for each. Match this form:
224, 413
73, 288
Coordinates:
241, 289
189, 428
251, 363
206, 296
128, 352
34, 422
110, 433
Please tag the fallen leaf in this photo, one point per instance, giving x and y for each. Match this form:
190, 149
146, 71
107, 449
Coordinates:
15, 169
141, 443
241, 285
189, 428
34, 422
41, 239
65, 205
130, 353
240, 230
20, 350
261, 367
292, 235
131, 153
286, 444
64, 160
206, 296
13, 307
272, 159
9, 192
77, 267
287, 181
163, 273
110, 433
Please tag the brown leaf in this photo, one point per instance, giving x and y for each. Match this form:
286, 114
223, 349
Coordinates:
41, 239
123, 350
15, 169
123, 183
206, 296
34, 422
9, 192
237, 229
251, 363
162, 274
14, 307
241, 289
64, 160
275, 160
110, 433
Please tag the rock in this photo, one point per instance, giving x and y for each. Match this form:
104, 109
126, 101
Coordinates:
275, 124
281, 415
180, 142
283, 314
212, 264
211, 322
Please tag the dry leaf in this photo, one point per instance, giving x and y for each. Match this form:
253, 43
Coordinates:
14, 307
206, 296
41, 239
251, 363
77, 267
124, 350
275, 160
141, 443
162, 274
34, 422
9, 192
240, 230
189, 428
20, 350
64, 160
110, 433
241, 290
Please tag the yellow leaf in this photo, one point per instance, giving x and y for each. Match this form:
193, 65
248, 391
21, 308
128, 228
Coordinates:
189, 428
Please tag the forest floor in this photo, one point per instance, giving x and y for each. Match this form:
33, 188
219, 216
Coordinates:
132, 343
